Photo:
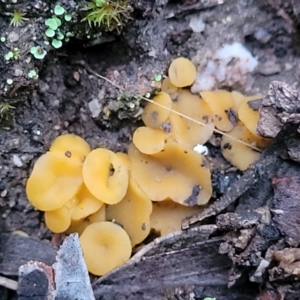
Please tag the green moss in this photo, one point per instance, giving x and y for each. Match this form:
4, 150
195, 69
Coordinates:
108, 15
18, 18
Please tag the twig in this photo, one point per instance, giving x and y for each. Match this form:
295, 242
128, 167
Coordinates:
90, 70
282, 14
8, 283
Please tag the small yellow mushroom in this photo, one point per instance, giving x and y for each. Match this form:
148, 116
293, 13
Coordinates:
167, 216
105, 246
239, 154
221, 105
54, 180
176, 172
71, 145
133, 213
154, 115
105, 175
182, 72
149, 140
186, 131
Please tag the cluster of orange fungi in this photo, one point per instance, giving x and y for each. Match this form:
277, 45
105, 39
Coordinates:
114, 199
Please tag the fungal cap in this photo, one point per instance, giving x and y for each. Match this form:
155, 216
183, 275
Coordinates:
80, 225
248, 116
187, 132
221, 104
177, 172
239, 155
149, 140
167, 216
54, 180
154, 115
133, 213
58, 220
124, 158
87, 204
182, 72
105, 246
105, 175
72, 145
168, 87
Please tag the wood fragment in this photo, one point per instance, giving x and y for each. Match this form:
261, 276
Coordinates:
71, 275
175, 266
280, 106
8, 283
17, 250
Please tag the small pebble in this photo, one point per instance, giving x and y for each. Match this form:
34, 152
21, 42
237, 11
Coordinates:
17, 160
3, 193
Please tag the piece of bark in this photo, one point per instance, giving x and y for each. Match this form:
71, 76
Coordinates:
286, 203
36, 282
280, 106
17, 250
176, 266
67, 279
71, 276
173, 10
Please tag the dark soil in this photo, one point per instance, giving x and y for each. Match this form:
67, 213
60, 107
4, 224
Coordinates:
57, 102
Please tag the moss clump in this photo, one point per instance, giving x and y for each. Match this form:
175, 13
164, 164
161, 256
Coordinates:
108, 15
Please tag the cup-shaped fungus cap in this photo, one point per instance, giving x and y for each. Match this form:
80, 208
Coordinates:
105, 175
133, 213
221, 105
154, 115
124, 158
149, 140
105, 246
182, 72
54, 180
72, 145
176, 172
79, 225
167, 216
247, 115
87, 204
238, 154
59, 220
168, 87
188, 132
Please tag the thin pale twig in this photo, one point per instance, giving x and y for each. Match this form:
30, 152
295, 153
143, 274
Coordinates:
8, 283
88, 68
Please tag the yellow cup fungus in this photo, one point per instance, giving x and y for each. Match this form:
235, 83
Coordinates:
87, 204
55, 179
82, 190
105, 175
167, 215
182, 72
186, 131
72, 145
248, 116
221, 104
133, 213
149, 140
238, 154
176, 172
168, 87
80, 225
154, 116
58, 220
105, 246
